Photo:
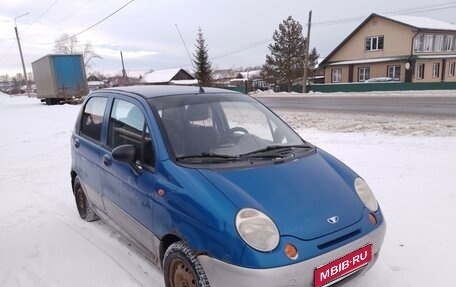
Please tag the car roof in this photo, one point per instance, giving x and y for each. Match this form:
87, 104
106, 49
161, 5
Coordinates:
151, 91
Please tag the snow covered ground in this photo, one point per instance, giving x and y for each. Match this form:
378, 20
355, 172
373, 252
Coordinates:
409, 165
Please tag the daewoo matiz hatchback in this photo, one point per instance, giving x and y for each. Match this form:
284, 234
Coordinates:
217, 190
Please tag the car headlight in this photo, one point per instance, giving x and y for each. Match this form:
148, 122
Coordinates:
257, 229
366, 194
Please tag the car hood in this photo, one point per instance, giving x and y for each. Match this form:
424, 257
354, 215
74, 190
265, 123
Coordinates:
299, 196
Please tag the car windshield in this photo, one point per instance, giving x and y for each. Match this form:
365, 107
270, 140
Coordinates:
221, 127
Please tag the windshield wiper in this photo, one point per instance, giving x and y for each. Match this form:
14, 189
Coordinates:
274, 150
209, 156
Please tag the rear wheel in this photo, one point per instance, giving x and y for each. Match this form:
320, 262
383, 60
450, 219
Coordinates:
181, 268
82, 203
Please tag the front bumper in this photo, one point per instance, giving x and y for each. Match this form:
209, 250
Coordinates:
221, 274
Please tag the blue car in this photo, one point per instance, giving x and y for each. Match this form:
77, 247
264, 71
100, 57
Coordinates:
217, 190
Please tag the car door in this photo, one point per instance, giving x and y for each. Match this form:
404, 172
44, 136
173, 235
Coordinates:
128, 191
87, 148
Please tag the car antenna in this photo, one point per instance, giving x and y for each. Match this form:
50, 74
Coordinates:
201, 90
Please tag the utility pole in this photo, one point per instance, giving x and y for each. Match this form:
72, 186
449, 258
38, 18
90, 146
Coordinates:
124, 73
306, 59
20, 52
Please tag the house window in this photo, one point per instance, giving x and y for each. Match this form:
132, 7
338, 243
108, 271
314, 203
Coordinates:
428, 43
418, 43
435, 70
449, 42
363, 74
336, 75
394, 72
420, 72
452, 67
438, 43
374, 43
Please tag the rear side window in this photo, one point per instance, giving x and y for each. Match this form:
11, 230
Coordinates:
92, 117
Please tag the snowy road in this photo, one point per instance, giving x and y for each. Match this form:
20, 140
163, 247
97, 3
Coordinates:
410, 165
434, 106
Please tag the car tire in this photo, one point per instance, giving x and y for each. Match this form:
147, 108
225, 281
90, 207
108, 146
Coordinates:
182, 268
83, 204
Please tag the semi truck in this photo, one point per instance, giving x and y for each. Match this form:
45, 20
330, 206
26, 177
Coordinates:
60, 78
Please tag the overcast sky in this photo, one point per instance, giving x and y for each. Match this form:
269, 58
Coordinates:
236, 31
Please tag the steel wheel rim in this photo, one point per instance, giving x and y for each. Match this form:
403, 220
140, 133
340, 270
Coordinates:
81, 202
180, 274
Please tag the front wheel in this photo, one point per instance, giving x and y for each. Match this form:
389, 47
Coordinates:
181, 268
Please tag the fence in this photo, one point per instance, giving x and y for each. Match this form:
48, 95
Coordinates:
371, 87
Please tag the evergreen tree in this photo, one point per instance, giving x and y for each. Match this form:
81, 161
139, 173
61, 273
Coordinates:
312, 62
285, 63
203, 67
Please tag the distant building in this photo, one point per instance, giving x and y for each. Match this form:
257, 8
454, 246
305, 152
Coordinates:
256, 79
4, 85
94, 83
169, 77
226, 78
119, 81
400, 48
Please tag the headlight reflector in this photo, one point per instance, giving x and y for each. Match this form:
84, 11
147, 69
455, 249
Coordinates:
257, 229
366, 194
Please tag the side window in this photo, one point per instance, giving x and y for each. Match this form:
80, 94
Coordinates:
127, 125
92, 117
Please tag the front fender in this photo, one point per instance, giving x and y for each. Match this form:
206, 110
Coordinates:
193, 209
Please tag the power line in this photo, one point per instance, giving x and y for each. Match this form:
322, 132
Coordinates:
90, 27
8, 50
434, 7
41, 15
102, 20
242, 49
429, 8
63, 19
236, 51
442, 6
74, 12
333, 22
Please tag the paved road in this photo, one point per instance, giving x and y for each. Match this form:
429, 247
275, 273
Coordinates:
436, 106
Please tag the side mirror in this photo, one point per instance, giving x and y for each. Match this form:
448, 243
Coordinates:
125, 153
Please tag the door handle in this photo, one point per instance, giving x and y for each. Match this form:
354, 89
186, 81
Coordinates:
76, 142
107, 160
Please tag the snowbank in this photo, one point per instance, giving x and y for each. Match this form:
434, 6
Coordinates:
44, 243
392, 124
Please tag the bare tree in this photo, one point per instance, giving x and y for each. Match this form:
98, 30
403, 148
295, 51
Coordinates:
89, 54
66, 44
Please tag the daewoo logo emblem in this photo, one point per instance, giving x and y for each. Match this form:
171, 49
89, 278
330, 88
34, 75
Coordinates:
333, 220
